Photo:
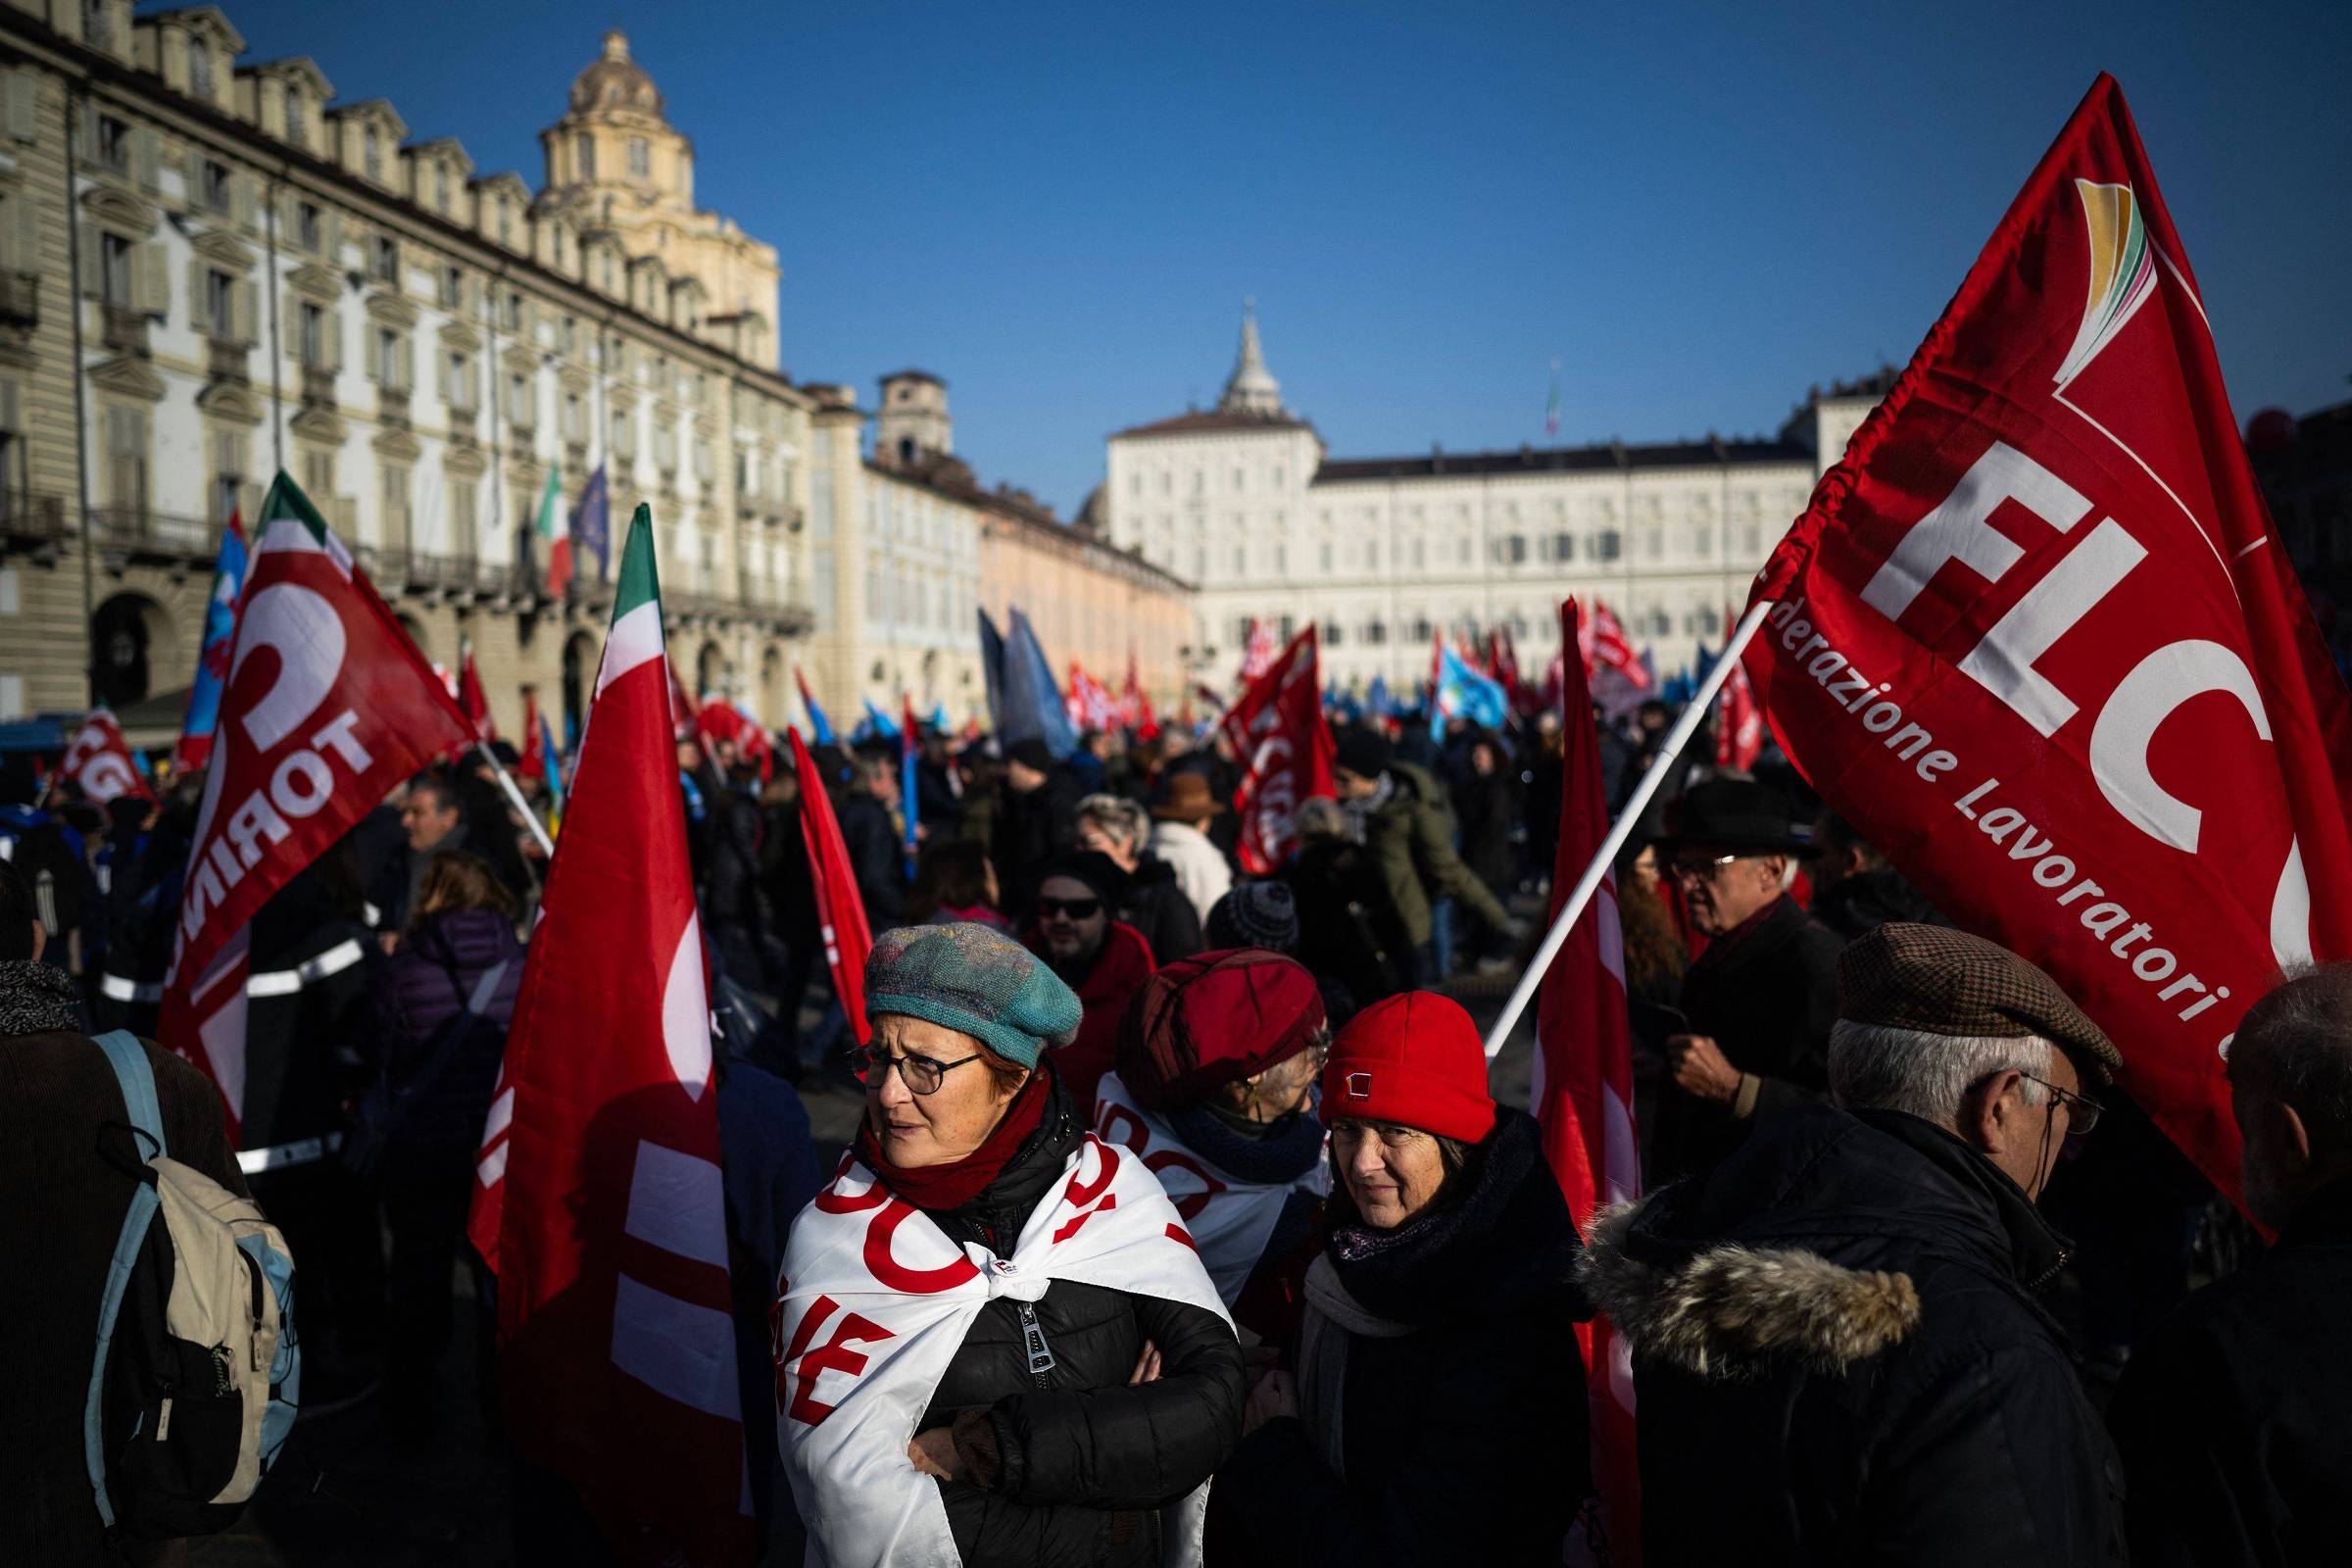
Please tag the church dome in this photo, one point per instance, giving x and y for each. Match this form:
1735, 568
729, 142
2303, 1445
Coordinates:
615, 82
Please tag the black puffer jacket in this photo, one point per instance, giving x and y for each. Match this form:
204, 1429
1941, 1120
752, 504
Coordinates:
1083, 1458
1839, 1358
1465, 1437
1155, 904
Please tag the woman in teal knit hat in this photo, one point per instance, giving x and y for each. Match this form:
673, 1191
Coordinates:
1052, 1347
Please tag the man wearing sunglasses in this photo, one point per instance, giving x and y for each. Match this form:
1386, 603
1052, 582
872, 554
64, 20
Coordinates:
1841, 1347
1101, 958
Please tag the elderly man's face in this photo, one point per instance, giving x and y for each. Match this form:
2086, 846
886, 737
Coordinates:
427, 818
1073, 920
1721, 890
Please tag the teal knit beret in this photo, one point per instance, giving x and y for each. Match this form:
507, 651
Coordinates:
971, 978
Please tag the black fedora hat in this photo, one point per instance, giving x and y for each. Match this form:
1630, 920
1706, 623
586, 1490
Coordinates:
1735, 814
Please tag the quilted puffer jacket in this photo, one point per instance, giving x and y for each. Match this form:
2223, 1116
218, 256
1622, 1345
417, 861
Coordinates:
1082, 1461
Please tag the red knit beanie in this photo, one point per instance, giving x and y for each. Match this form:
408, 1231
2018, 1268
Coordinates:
1415, 1060
1214, 1019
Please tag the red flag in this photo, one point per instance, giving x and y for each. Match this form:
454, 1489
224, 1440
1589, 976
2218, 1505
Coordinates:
1739, 719
1090, 702
1136, 705
534, 761
1582, 1089
1276, 729
470, 700
2036, 639
683, 708
99, 759
328, 705
599, 1198
1257, 656
840, 909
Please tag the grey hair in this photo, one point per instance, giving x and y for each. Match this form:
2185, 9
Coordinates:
1118, 815
1880, 1067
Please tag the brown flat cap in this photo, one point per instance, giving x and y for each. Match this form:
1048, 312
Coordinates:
1944, 982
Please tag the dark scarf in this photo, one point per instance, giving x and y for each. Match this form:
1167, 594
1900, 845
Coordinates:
1269, 1154
957, 1182
37, 999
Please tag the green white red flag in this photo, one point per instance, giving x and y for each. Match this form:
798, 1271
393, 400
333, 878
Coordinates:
598, 1200
552, 534
2036, 639
327, 706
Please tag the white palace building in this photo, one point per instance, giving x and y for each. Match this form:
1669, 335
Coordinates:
1244, 501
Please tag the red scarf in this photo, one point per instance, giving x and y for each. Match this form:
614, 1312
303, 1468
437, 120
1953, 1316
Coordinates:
938, 1187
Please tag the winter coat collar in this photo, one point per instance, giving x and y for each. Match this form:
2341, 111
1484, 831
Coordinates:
1510, 1228
1731, 1274
2325, 1216
37, 999
1754, 938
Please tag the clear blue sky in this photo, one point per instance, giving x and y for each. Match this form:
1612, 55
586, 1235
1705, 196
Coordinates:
1698, 210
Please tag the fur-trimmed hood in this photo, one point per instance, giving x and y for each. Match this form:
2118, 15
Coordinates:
1813, 1248
1730, 1310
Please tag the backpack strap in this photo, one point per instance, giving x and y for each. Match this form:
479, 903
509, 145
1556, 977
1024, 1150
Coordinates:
128, 1058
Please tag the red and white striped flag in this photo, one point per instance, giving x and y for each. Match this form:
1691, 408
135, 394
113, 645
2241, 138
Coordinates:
1583, 1090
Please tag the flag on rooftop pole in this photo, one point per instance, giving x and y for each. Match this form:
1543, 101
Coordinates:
2036, 639
195, 743
326, 705
598, 1196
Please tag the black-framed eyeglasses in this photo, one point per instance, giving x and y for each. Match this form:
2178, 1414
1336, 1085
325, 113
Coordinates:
2082, 1111
1075, 909
923, 1075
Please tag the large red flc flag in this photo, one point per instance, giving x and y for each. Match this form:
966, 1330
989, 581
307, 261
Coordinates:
2036, 637
840, 907
599, 1194
327, 706
1582, 1085
1277, 730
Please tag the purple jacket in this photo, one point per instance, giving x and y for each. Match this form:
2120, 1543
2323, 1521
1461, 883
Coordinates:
417, 991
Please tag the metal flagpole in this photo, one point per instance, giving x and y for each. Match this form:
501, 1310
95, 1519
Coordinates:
514, 797
1622, 829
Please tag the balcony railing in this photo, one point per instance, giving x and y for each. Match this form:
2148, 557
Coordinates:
140, 530
19, 299
32, 517
392, 406
124, 330
229, 362
318, 387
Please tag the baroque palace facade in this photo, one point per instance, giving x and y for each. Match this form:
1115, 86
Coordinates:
211, 271
1382, 553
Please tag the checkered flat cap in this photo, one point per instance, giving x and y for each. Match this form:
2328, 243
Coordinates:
1944, 982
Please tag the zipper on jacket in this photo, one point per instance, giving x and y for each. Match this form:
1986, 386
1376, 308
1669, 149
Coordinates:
1033, 1342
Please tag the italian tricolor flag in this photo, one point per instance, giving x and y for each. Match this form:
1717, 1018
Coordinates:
552, 535
598, 1200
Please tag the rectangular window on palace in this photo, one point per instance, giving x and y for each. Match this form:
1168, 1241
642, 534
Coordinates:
220, 304
214, 187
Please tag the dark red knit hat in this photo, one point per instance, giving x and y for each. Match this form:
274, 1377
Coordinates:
1214, 1019
1415, 1060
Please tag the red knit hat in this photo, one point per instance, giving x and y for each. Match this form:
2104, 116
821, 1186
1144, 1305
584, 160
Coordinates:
1415, 1060
1214, 1019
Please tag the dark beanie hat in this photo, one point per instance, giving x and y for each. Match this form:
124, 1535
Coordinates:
1093, 867
1254, 915
1214, 1019
1366, 753
1032, 754
1415, 1060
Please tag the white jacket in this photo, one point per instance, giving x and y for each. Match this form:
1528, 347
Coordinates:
1199, 866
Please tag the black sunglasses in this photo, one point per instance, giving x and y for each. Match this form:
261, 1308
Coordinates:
1075, 909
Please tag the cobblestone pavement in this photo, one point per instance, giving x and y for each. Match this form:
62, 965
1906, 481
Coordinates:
346, 1495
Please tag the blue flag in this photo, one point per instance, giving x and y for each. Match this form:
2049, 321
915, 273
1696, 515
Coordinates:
554, 761
1375, 698
1465, 693
592, 521
878, 724
1033, 703
991, 668
211, 657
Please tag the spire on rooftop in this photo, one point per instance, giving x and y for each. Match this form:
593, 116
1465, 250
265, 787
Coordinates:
1251, 388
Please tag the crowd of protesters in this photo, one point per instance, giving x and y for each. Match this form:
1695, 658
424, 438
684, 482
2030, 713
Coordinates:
1859, 1331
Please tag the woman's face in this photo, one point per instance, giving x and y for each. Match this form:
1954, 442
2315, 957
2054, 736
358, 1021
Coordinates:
1391, 1172
916, 1130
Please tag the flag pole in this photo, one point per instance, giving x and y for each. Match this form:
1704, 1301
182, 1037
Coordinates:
546, 846
1622, 829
